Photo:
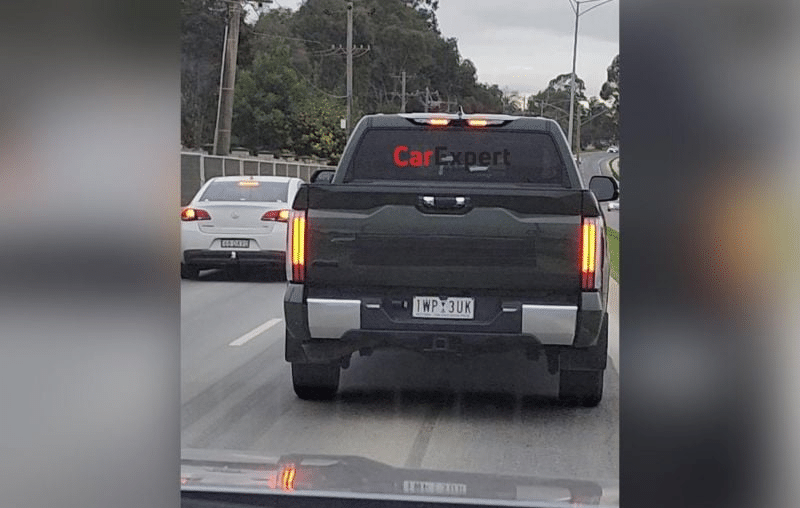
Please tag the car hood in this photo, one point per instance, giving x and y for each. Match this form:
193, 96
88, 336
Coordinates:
296, 474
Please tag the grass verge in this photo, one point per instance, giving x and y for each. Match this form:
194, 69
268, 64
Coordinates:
613, 252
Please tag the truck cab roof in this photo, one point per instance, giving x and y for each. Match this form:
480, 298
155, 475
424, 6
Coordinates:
494, 120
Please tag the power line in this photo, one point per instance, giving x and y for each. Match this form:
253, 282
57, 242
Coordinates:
316, 87
264, 34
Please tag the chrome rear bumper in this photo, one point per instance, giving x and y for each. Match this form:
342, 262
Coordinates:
550, 324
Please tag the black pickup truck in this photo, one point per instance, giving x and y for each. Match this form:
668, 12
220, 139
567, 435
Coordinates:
450, 234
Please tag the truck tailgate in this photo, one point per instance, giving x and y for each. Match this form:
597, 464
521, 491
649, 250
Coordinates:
514, 238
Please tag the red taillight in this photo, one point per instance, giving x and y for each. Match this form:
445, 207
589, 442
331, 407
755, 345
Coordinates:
591, 253
276, 215
296, 248
286, 480
190, 214
477, 122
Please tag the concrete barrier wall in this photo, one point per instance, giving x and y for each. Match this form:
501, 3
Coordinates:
196, 168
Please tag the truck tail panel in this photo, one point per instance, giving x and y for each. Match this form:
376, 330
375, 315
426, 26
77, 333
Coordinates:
394, 236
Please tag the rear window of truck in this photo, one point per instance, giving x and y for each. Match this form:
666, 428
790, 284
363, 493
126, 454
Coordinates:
458, 155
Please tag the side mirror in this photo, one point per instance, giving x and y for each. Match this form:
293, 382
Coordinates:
322, 176
605, 188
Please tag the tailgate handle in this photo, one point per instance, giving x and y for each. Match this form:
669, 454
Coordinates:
444, 203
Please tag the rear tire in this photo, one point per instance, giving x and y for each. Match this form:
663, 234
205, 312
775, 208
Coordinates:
581, 387
190, 272
315, 381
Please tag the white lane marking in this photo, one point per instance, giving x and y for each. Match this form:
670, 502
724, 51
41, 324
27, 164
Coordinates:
255, 332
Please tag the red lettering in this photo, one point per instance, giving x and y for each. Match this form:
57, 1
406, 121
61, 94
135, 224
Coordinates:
416, 158
397, 161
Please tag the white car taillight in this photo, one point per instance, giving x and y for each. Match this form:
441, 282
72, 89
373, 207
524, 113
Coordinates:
276, 216
191, 214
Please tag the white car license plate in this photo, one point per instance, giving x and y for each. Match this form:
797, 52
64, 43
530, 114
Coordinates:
443, 308
235, 244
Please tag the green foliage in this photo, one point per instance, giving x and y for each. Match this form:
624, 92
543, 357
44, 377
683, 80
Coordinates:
316, 129
553, 101
202, 31
597, 125
610, 93
266, 99
612, 237
275, 109
291, 76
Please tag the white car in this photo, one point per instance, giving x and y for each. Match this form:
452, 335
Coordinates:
613, 149
235, 221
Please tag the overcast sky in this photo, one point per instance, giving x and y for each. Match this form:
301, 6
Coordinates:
520, 45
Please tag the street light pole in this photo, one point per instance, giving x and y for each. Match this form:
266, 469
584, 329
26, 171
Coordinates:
572, 81
578, 14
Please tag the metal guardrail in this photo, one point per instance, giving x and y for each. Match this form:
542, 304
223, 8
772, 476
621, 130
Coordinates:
196, 168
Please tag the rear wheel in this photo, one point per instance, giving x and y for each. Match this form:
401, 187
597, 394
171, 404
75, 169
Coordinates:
189, 271
315, 381
581, 387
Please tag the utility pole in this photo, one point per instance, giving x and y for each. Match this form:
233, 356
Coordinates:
427, 98
229, 81
349, 65
403, 77
219, 95
403, 107
546, 101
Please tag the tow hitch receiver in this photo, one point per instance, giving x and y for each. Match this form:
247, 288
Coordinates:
441, 345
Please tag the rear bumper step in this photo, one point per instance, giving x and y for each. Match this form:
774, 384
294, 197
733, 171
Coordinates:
337, 318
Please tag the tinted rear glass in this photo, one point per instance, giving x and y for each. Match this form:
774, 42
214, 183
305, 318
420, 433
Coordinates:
250, 191
458, 155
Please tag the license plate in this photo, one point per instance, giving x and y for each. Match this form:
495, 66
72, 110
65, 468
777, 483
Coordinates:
235, 244
434, 488
443, 308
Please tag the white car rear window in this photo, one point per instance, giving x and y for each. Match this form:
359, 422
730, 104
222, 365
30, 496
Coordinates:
246, 190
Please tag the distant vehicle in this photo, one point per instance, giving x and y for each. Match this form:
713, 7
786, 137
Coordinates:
237, 220
613, 149
613, 205
450, 235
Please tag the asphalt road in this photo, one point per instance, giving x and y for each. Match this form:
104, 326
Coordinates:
594, 163
494, 413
